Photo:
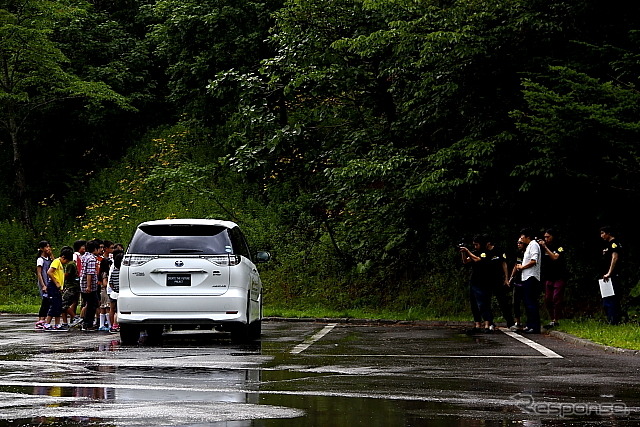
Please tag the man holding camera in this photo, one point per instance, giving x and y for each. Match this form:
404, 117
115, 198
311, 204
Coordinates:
488, 272
554, 275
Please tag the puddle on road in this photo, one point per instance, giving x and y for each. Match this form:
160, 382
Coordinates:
267, 388
253, 398
278, 410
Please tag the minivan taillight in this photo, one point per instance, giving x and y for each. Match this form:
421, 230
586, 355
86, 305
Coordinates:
229, 260
137, 260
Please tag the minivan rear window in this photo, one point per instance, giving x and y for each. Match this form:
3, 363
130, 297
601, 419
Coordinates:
181, 239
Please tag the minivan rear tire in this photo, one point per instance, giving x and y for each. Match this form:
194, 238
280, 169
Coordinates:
129, 334
255, 330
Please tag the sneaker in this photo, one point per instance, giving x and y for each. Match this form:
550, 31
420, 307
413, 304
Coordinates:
49, 328
488, 330
63, 327
113, 330
516, 327
76, 321
552, 324
492, 328
39, 324
530, 331
103, 328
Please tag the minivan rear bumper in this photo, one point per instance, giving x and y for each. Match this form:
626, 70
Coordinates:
176, 309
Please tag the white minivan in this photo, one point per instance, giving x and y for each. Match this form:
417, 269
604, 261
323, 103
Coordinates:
188, 273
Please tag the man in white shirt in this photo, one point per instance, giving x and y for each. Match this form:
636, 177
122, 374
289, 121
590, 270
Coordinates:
530, 269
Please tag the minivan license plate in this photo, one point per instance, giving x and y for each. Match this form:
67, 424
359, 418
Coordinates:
178, 280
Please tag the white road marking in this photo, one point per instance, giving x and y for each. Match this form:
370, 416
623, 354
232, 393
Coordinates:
135, 387
11, 341
546, 353
433, 356
118, 386
534, 345
309, 341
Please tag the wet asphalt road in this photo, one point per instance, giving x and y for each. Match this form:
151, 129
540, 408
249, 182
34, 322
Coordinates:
312, 374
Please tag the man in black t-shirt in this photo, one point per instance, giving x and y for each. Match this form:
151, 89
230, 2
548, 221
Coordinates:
610, 271
516, 285
554, 275
488, 271
500, 281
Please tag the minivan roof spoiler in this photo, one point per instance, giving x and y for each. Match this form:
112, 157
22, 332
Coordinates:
190, 221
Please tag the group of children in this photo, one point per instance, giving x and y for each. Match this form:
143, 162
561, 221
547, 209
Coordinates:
85, 276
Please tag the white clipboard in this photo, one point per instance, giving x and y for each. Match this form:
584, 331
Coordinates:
606, 288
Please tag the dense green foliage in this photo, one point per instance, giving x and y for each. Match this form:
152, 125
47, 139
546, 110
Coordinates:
357, 140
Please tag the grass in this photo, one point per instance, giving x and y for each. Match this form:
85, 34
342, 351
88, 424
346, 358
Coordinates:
24, 306
19, 308
356, 313
622, 336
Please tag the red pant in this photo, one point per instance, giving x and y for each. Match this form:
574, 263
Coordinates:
554, 297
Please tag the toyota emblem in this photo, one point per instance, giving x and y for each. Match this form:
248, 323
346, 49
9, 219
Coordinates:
179, 263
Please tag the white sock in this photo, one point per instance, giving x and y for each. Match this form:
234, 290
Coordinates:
102, 317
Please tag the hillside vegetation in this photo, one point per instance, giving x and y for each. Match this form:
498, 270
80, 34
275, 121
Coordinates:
359, 141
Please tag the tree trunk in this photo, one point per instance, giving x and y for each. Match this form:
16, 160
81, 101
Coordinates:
22, 202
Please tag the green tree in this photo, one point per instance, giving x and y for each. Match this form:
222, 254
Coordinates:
195, 39
387, 120
308, 112
33, 74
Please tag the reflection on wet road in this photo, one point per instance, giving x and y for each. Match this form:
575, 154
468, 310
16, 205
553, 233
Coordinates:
312, 374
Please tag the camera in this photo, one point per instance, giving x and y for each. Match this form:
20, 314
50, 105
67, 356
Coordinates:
462, 243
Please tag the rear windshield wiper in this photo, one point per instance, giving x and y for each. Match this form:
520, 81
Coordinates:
185, 251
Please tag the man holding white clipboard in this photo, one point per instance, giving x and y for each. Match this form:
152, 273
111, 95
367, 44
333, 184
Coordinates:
610, 281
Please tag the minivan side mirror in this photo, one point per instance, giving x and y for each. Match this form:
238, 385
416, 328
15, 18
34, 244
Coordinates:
263, 256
